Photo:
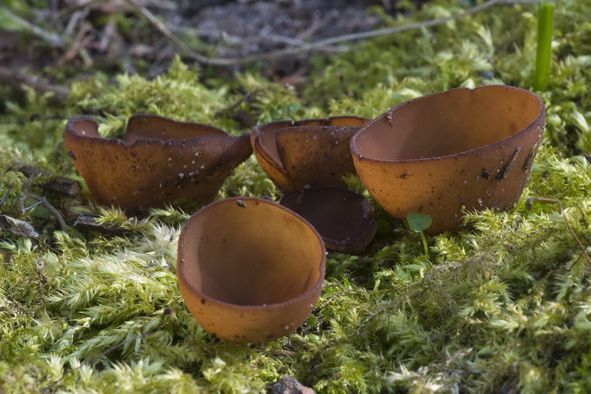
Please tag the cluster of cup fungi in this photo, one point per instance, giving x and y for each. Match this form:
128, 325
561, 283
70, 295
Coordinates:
250, 269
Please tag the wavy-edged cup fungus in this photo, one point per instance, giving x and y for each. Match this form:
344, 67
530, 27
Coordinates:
249, 270
308, 159
158, 161
312, 152
440, 154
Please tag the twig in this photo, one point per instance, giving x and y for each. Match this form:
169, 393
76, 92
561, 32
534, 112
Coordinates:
568, 225
315, 26
299, 43
236, 40
23, 24
16, 80
79, 44
73, 21
50, 208
28, 194
215, 61
158, 24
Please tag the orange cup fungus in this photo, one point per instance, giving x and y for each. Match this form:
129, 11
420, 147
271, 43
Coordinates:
307, 153
460, 149
158, 161
308, 159
249, 269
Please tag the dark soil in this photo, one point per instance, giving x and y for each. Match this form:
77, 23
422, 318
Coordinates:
114, 36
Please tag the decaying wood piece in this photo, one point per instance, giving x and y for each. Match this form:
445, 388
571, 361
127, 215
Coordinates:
63, 185
89, 222
17, 227
59, 184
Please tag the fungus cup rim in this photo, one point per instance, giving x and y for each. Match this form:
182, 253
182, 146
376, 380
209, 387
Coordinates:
260, 148
357, 154
181, 274
70, 131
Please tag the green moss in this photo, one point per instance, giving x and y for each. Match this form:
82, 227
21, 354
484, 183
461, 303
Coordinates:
503, 305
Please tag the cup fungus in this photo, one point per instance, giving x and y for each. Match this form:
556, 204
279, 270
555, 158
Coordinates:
458, 149
308, 159
343, 218
249, 270
158, 161
313, 152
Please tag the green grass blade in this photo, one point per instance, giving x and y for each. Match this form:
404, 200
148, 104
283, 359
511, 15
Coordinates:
544, 53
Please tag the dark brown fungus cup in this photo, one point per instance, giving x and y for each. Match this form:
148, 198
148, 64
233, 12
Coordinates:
458, 149
158, 161
344, 219
312, 152
249, 269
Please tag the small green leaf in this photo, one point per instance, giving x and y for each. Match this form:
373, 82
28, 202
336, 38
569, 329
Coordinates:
418, 222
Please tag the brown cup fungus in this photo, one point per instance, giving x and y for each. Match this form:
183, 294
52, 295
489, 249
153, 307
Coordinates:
158, 161
249, 269
313, 152
460, 149
345, 219
308, 160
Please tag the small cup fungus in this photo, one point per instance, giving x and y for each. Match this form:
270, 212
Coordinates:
249, 269
158, 161
313, 152
308, 159
460, 149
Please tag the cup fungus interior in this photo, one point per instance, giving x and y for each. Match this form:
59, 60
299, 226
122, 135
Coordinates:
158, 128
148, 127
448, 123
250, 252
344, 219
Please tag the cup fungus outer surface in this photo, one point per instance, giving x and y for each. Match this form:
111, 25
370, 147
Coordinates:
158, 161
307, 152
443, 153
249, 269
344, 219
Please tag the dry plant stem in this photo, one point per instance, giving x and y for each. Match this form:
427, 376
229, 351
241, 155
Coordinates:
50, 208
50, 37
78, 46
231, 39
317, 45
159, 25
568, 225
42, 200
17, 80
